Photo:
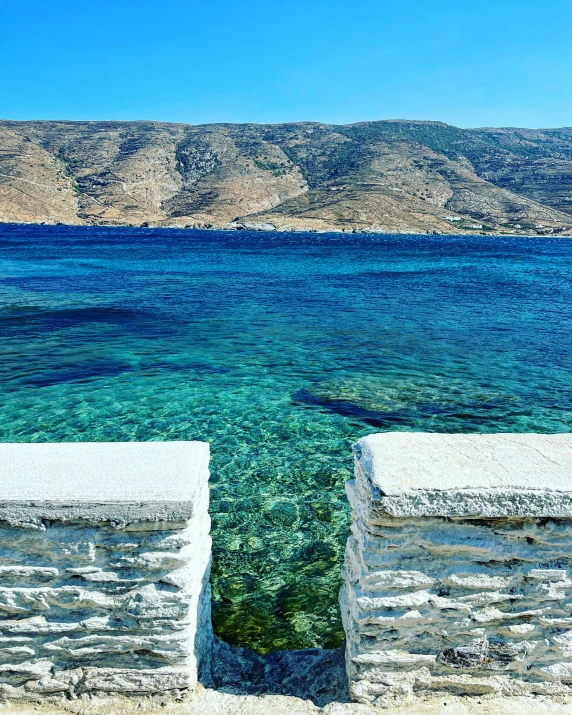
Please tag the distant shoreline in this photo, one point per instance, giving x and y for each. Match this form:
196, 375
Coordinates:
227, 229
393, 177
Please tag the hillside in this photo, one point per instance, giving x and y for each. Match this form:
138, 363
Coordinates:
387, 176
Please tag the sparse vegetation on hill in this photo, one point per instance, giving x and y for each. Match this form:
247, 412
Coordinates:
393, 176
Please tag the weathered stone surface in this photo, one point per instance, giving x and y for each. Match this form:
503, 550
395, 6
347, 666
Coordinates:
429, 474
213, 702
101, 481
438, 600
114, 595
287, 683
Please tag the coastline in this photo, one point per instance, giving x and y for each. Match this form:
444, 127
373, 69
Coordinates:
375, 177
253, 228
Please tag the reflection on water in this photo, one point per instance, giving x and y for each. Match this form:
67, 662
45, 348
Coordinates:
280, 350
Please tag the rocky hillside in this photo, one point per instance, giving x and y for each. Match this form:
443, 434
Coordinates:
390, 176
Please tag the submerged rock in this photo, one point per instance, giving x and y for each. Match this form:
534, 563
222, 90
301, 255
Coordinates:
313, 674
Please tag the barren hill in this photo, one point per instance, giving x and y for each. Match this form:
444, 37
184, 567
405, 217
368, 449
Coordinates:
387, 176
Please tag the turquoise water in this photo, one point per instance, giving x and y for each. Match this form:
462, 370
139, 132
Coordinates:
280, 350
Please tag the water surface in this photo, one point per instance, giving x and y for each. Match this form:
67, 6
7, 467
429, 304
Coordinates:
280, 350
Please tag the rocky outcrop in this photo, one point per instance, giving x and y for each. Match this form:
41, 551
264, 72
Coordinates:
373, 176
314, 674
458, 576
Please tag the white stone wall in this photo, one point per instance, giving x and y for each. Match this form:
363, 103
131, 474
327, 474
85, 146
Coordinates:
459, 604
93, 604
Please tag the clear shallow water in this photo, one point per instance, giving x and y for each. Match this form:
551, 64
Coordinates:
280, 350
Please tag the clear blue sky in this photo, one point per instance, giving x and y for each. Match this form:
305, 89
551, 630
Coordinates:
466, 62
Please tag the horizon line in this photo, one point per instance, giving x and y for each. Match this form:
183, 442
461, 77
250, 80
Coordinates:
295, 122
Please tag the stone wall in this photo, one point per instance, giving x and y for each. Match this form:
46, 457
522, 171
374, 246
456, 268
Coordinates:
458, 572
104, 568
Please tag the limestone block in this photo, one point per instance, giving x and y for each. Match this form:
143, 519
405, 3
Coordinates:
104, 567
458, 570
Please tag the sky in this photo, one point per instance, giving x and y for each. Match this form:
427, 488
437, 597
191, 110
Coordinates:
464, 62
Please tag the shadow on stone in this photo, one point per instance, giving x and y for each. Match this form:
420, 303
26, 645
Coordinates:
314, 674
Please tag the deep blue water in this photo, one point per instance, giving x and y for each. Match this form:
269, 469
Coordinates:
280, 350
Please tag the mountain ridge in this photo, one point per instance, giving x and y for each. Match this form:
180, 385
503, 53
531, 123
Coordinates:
407, 176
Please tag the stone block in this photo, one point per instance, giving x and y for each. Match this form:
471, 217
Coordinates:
458, 570
104, 568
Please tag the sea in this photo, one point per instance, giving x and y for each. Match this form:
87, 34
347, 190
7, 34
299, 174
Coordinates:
280, 350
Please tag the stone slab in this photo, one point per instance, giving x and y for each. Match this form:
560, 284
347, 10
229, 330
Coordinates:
157, 481
493, 475
229, 703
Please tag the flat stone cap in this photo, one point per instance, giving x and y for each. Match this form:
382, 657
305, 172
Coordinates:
422, 473
162, 478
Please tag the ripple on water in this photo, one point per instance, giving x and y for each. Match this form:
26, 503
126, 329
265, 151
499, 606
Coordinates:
280, 350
